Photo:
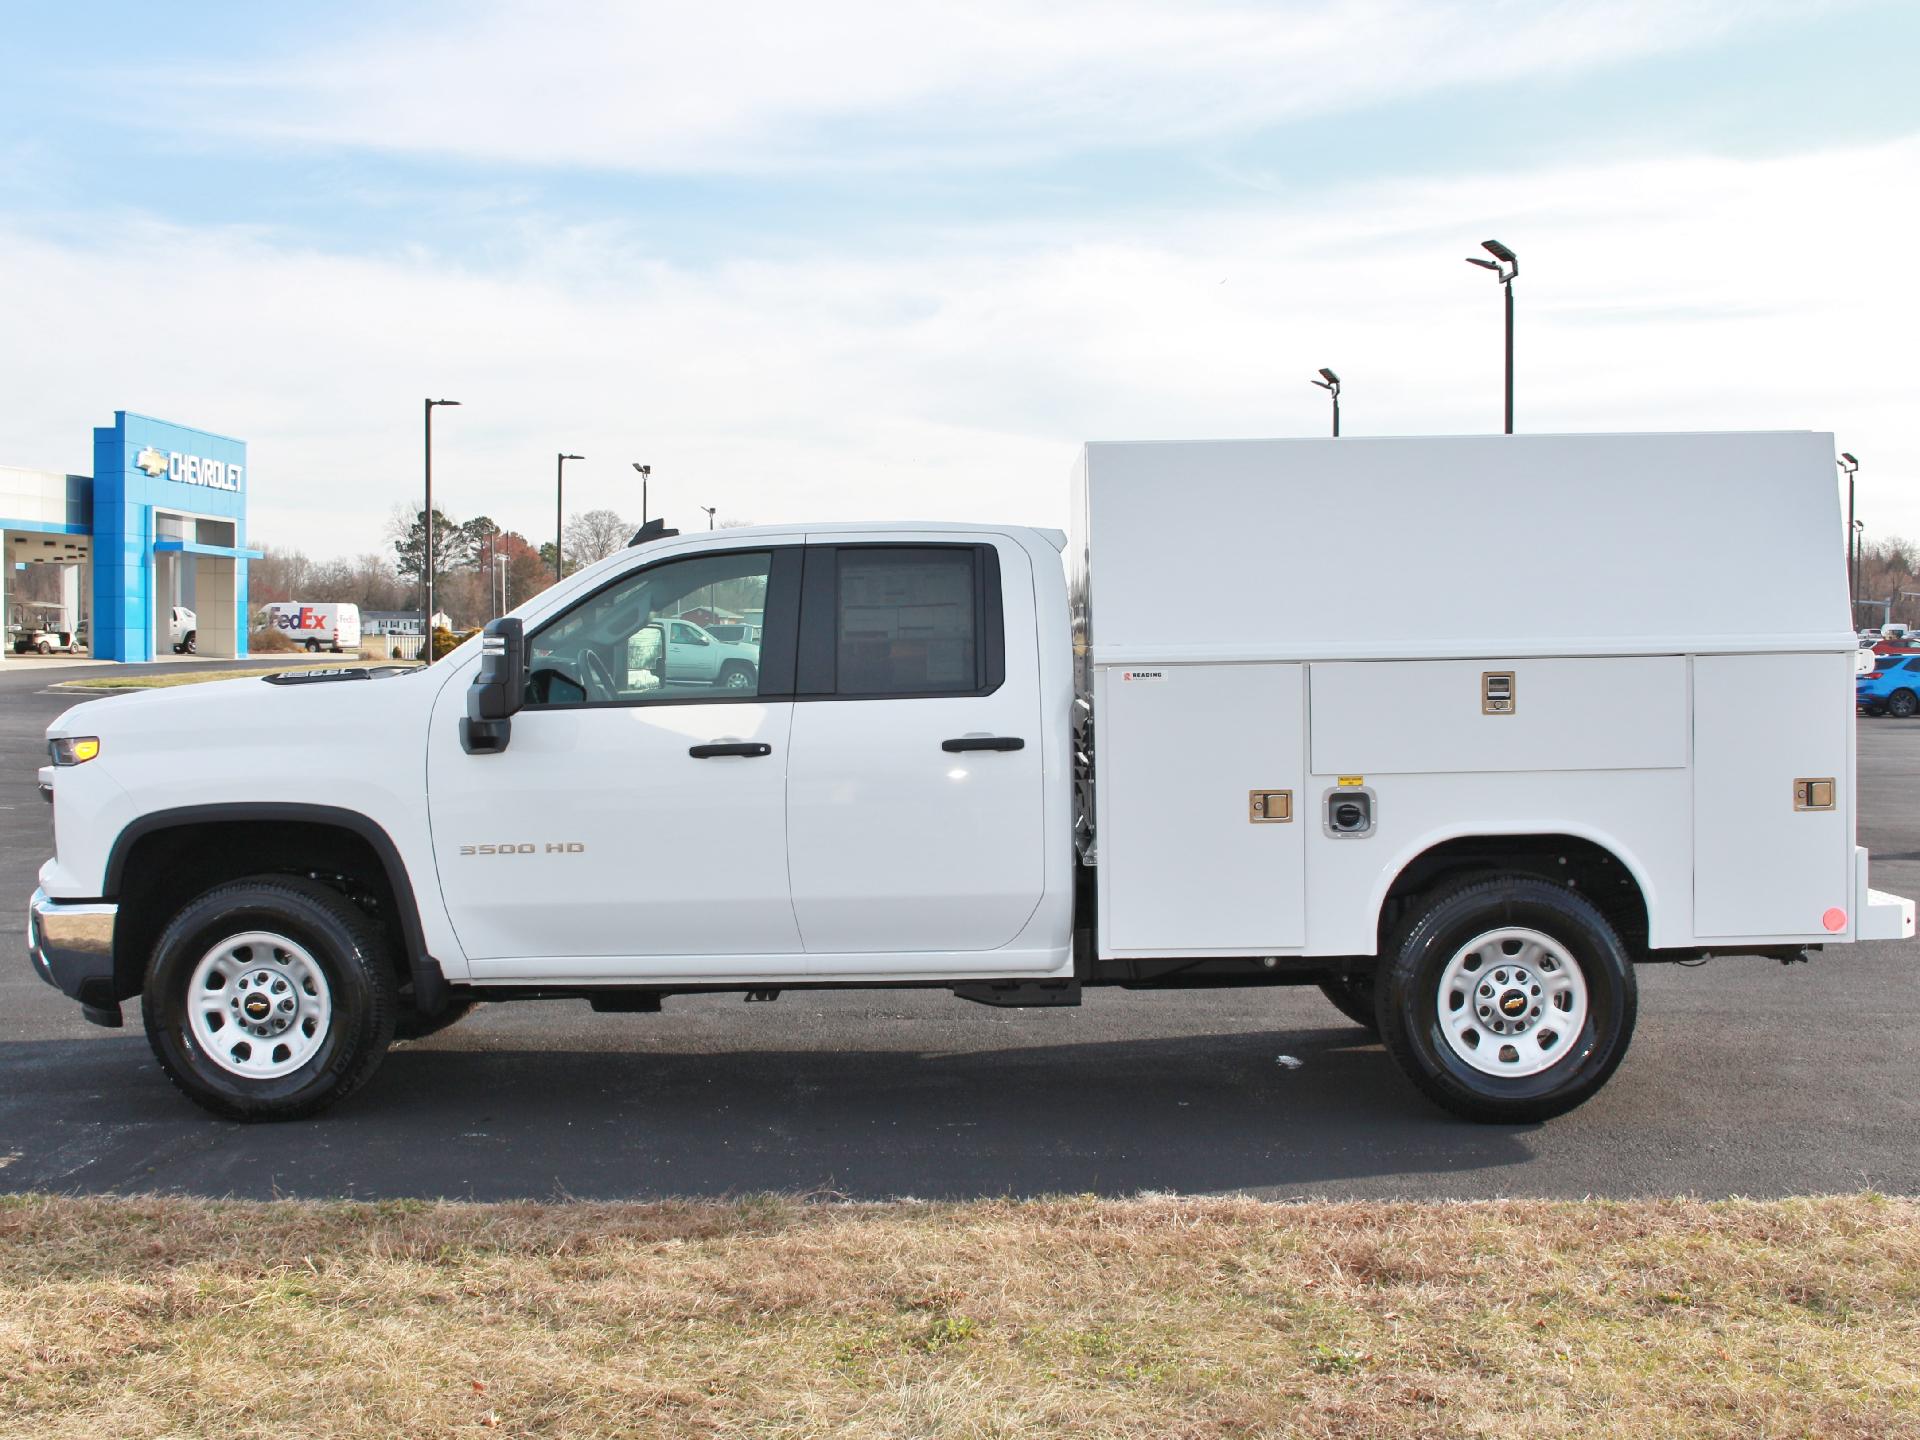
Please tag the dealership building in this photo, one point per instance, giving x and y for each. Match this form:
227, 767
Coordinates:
161, 522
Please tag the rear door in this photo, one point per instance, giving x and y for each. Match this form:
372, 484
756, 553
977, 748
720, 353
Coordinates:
1771, 862
915, 789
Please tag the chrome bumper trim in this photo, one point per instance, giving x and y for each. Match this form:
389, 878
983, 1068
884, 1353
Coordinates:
71, 943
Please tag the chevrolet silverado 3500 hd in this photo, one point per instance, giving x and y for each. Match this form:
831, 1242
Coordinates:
1446, 727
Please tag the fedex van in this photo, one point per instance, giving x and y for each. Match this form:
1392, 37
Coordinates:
317, 625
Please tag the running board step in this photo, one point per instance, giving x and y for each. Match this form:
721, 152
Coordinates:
1020, 992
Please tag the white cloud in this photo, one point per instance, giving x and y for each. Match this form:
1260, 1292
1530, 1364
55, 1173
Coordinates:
765, 86
1683, 293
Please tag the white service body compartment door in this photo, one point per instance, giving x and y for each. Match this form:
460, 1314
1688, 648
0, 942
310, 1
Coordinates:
1760, 722
1184, 869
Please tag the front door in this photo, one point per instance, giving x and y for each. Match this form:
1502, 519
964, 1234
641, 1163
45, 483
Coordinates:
915, 786
635, 825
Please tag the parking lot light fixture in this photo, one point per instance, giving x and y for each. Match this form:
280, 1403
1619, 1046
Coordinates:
426, 559
1330, 383
1505, 264
559, 521
709, 509
645, 471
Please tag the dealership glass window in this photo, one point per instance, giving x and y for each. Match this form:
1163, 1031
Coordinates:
907, 621
644, 639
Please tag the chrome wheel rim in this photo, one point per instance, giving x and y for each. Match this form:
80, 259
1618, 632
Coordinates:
258, 1005
1511, 1002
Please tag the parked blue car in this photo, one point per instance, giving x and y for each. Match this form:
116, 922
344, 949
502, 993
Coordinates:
1892, 687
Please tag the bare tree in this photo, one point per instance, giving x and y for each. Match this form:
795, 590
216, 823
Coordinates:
594, 535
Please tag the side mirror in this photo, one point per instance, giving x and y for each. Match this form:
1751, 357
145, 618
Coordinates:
498, 687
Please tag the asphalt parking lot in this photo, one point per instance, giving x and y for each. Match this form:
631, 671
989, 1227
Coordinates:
1745, 1078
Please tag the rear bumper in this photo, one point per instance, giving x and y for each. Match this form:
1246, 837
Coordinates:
71, 946
1878, 915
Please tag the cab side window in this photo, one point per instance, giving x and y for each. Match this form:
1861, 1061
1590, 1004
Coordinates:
902, 621
643, 639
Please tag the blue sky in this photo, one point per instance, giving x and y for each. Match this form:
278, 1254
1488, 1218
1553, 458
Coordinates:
899, 259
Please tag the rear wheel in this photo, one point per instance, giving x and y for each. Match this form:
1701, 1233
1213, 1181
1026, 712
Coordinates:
1902, 703
737, 676
313, 647
1352, 996
1508, 1000
269, 999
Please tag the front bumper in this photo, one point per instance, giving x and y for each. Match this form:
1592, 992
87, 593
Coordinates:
71, 945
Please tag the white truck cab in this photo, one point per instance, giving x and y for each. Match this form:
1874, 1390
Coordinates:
1013, 764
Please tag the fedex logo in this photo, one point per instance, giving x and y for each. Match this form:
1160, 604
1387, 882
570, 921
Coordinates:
305, 618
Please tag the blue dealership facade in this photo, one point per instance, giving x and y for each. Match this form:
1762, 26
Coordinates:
161, 523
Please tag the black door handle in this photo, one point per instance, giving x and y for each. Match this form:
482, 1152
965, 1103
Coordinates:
984, 742
750, 749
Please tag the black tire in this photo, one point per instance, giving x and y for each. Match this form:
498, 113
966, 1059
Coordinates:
191, 645
313, 647
1409, 999
735, 675
412, 1025
1352, 996
45, 647
1901, 704
343, 943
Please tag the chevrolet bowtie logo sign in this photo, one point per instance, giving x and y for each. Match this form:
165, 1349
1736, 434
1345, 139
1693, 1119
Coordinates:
188, 469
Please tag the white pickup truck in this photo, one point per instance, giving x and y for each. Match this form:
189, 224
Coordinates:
1210, 748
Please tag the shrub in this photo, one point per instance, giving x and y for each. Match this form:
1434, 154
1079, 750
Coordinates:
445, 640
269, 641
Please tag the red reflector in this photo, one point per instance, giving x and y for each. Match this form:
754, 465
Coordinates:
1875, 674
1835, 920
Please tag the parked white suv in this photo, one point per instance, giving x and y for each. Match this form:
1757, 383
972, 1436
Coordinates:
183, 631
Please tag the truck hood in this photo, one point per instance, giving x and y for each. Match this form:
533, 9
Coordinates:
303, 717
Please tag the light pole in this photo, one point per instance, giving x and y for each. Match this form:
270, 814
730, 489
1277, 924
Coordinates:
709, 509
1859, 530
645, 471
1506, 265
426, 561
1849, 465
500, 574
559, 523
1331, 384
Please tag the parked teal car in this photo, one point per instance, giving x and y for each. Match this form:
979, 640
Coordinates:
1892, 687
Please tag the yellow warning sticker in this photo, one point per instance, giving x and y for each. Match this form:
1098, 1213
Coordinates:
1353, 782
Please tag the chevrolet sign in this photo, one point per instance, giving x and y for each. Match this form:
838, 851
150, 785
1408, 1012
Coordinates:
188, 469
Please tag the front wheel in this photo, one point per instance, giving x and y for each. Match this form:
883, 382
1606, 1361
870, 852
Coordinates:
1902, 703
313, 647
737, 677
269, 998
1509, 1000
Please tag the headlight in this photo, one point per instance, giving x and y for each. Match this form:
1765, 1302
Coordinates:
74, 749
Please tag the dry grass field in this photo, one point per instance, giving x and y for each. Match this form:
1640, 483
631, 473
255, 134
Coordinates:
1085, 1318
